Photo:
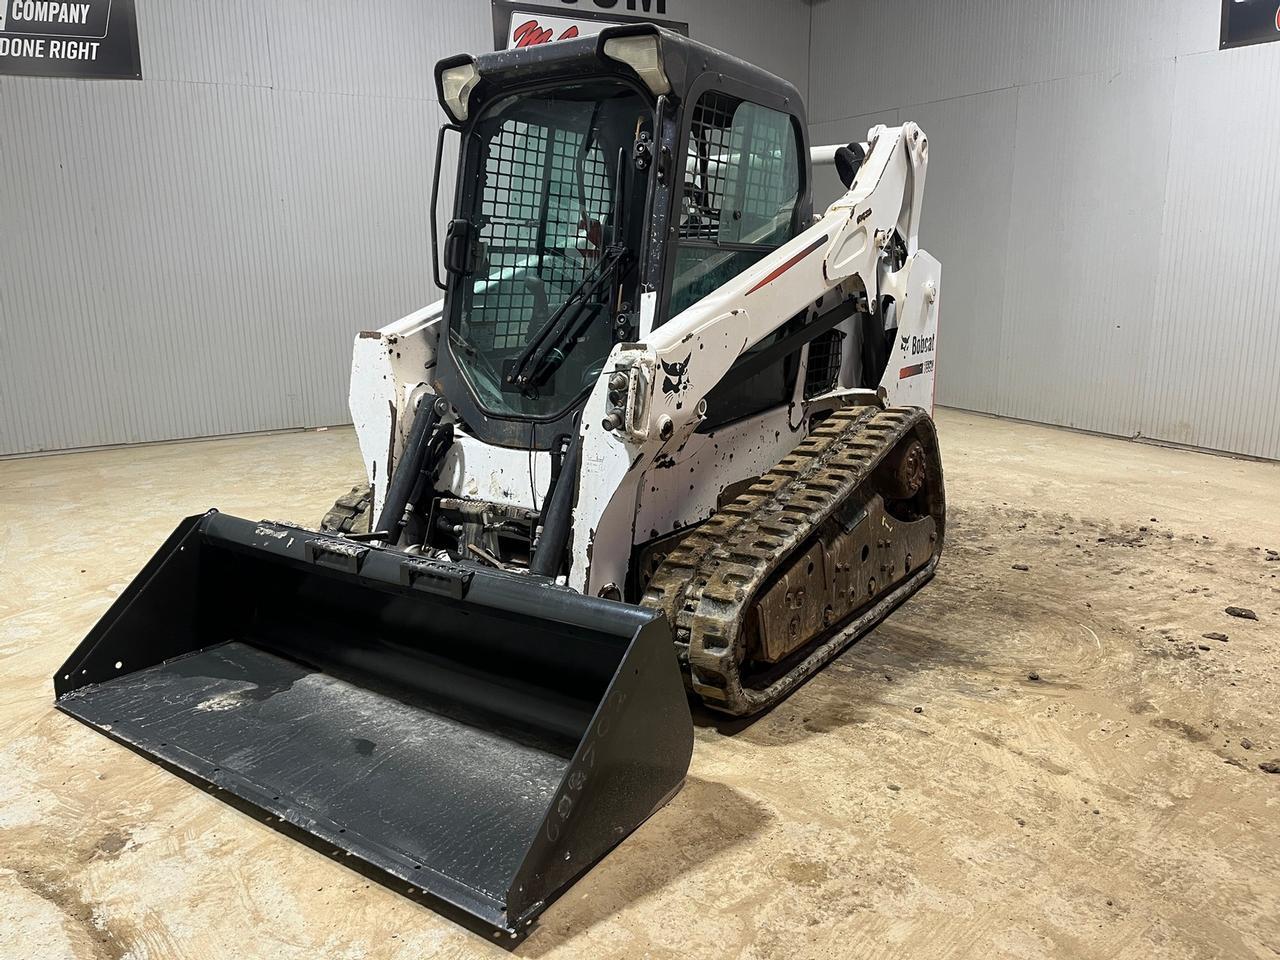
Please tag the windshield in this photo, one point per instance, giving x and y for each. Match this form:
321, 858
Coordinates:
545, 203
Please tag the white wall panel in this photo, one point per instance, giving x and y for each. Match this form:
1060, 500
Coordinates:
206, 41
966, 226
118, 306
1068, 38
1214, 346
871, 55
1133, 287
370, 48
1084, 238
874, 55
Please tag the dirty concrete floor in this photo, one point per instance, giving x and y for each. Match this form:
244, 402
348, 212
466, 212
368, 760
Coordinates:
1108, 809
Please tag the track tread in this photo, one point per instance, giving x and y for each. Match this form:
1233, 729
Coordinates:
350, 513
707, 583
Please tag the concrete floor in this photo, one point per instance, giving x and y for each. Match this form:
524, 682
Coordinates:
1109, 809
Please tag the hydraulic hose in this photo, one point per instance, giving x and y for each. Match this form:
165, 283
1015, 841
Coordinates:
549, 555
410, 525
407, 470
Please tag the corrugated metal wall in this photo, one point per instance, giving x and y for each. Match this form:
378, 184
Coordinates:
191, 255
1104, 198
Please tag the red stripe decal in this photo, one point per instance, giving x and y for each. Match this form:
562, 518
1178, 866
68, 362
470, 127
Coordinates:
911, 371
779, 271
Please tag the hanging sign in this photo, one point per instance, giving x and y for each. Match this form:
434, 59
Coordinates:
1249, 21
91, 39
518, 24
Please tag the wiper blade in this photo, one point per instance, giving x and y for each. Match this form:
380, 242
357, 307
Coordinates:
551, 345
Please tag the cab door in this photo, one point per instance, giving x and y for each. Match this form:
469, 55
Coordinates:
740, 199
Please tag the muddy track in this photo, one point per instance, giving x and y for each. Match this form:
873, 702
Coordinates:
708, 585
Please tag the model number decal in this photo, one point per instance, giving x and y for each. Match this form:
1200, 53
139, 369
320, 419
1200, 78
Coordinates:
915, 370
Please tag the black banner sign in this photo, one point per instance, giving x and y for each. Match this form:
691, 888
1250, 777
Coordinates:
1249, 21
91, 39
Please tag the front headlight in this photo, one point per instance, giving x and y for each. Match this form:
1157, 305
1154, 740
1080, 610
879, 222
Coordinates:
456, 84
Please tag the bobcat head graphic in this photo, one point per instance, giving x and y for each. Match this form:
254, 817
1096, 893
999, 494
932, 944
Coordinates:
676, 379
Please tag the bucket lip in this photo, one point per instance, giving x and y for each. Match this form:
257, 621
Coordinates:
429, 885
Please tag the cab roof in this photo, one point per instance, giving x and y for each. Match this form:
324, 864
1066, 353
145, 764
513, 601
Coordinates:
685, 62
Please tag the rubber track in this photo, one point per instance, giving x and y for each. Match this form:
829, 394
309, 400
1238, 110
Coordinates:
705, 586
350, 511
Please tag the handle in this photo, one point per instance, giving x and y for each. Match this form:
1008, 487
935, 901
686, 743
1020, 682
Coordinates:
435, 199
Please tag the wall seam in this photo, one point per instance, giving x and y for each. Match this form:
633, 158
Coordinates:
1146, 396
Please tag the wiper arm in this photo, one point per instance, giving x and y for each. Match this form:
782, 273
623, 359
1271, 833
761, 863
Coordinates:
551, 345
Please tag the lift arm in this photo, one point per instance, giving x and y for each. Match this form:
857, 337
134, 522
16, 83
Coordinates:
842, 251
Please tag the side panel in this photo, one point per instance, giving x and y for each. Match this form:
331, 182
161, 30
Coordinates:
476, 471
387, 367
909, 378
684, 487
604, 513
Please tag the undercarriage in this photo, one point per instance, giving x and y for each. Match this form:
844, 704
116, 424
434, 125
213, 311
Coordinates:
810, 557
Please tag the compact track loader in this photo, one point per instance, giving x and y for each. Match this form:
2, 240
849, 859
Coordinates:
666, 434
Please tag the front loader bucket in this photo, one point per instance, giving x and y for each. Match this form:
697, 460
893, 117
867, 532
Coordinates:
473, 737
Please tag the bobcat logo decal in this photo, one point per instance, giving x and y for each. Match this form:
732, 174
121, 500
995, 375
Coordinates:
677, 375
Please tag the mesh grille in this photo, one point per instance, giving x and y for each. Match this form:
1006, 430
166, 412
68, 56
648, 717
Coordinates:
825, 354
741, 171
530, 220
712, 136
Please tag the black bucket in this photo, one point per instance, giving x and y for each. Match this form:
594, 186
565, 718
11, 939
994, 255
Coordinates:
472, 736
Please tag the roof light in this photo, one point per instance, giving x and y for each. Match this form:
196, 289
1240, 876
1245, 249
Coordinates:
643, 55
456, 84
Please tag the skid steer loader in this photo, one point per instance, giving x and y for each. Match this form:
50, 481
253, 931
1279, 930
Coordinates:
667, 433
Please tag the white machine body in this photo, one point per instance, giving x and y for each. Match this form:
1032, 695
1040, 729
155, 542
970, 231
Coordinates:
654, 473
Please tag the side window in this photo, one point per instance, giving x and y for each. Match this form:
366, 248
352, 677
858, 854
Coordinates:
741, 182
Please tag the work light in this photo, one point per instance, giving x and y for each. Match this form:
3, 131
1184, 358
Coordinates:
456, 84
643, 55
